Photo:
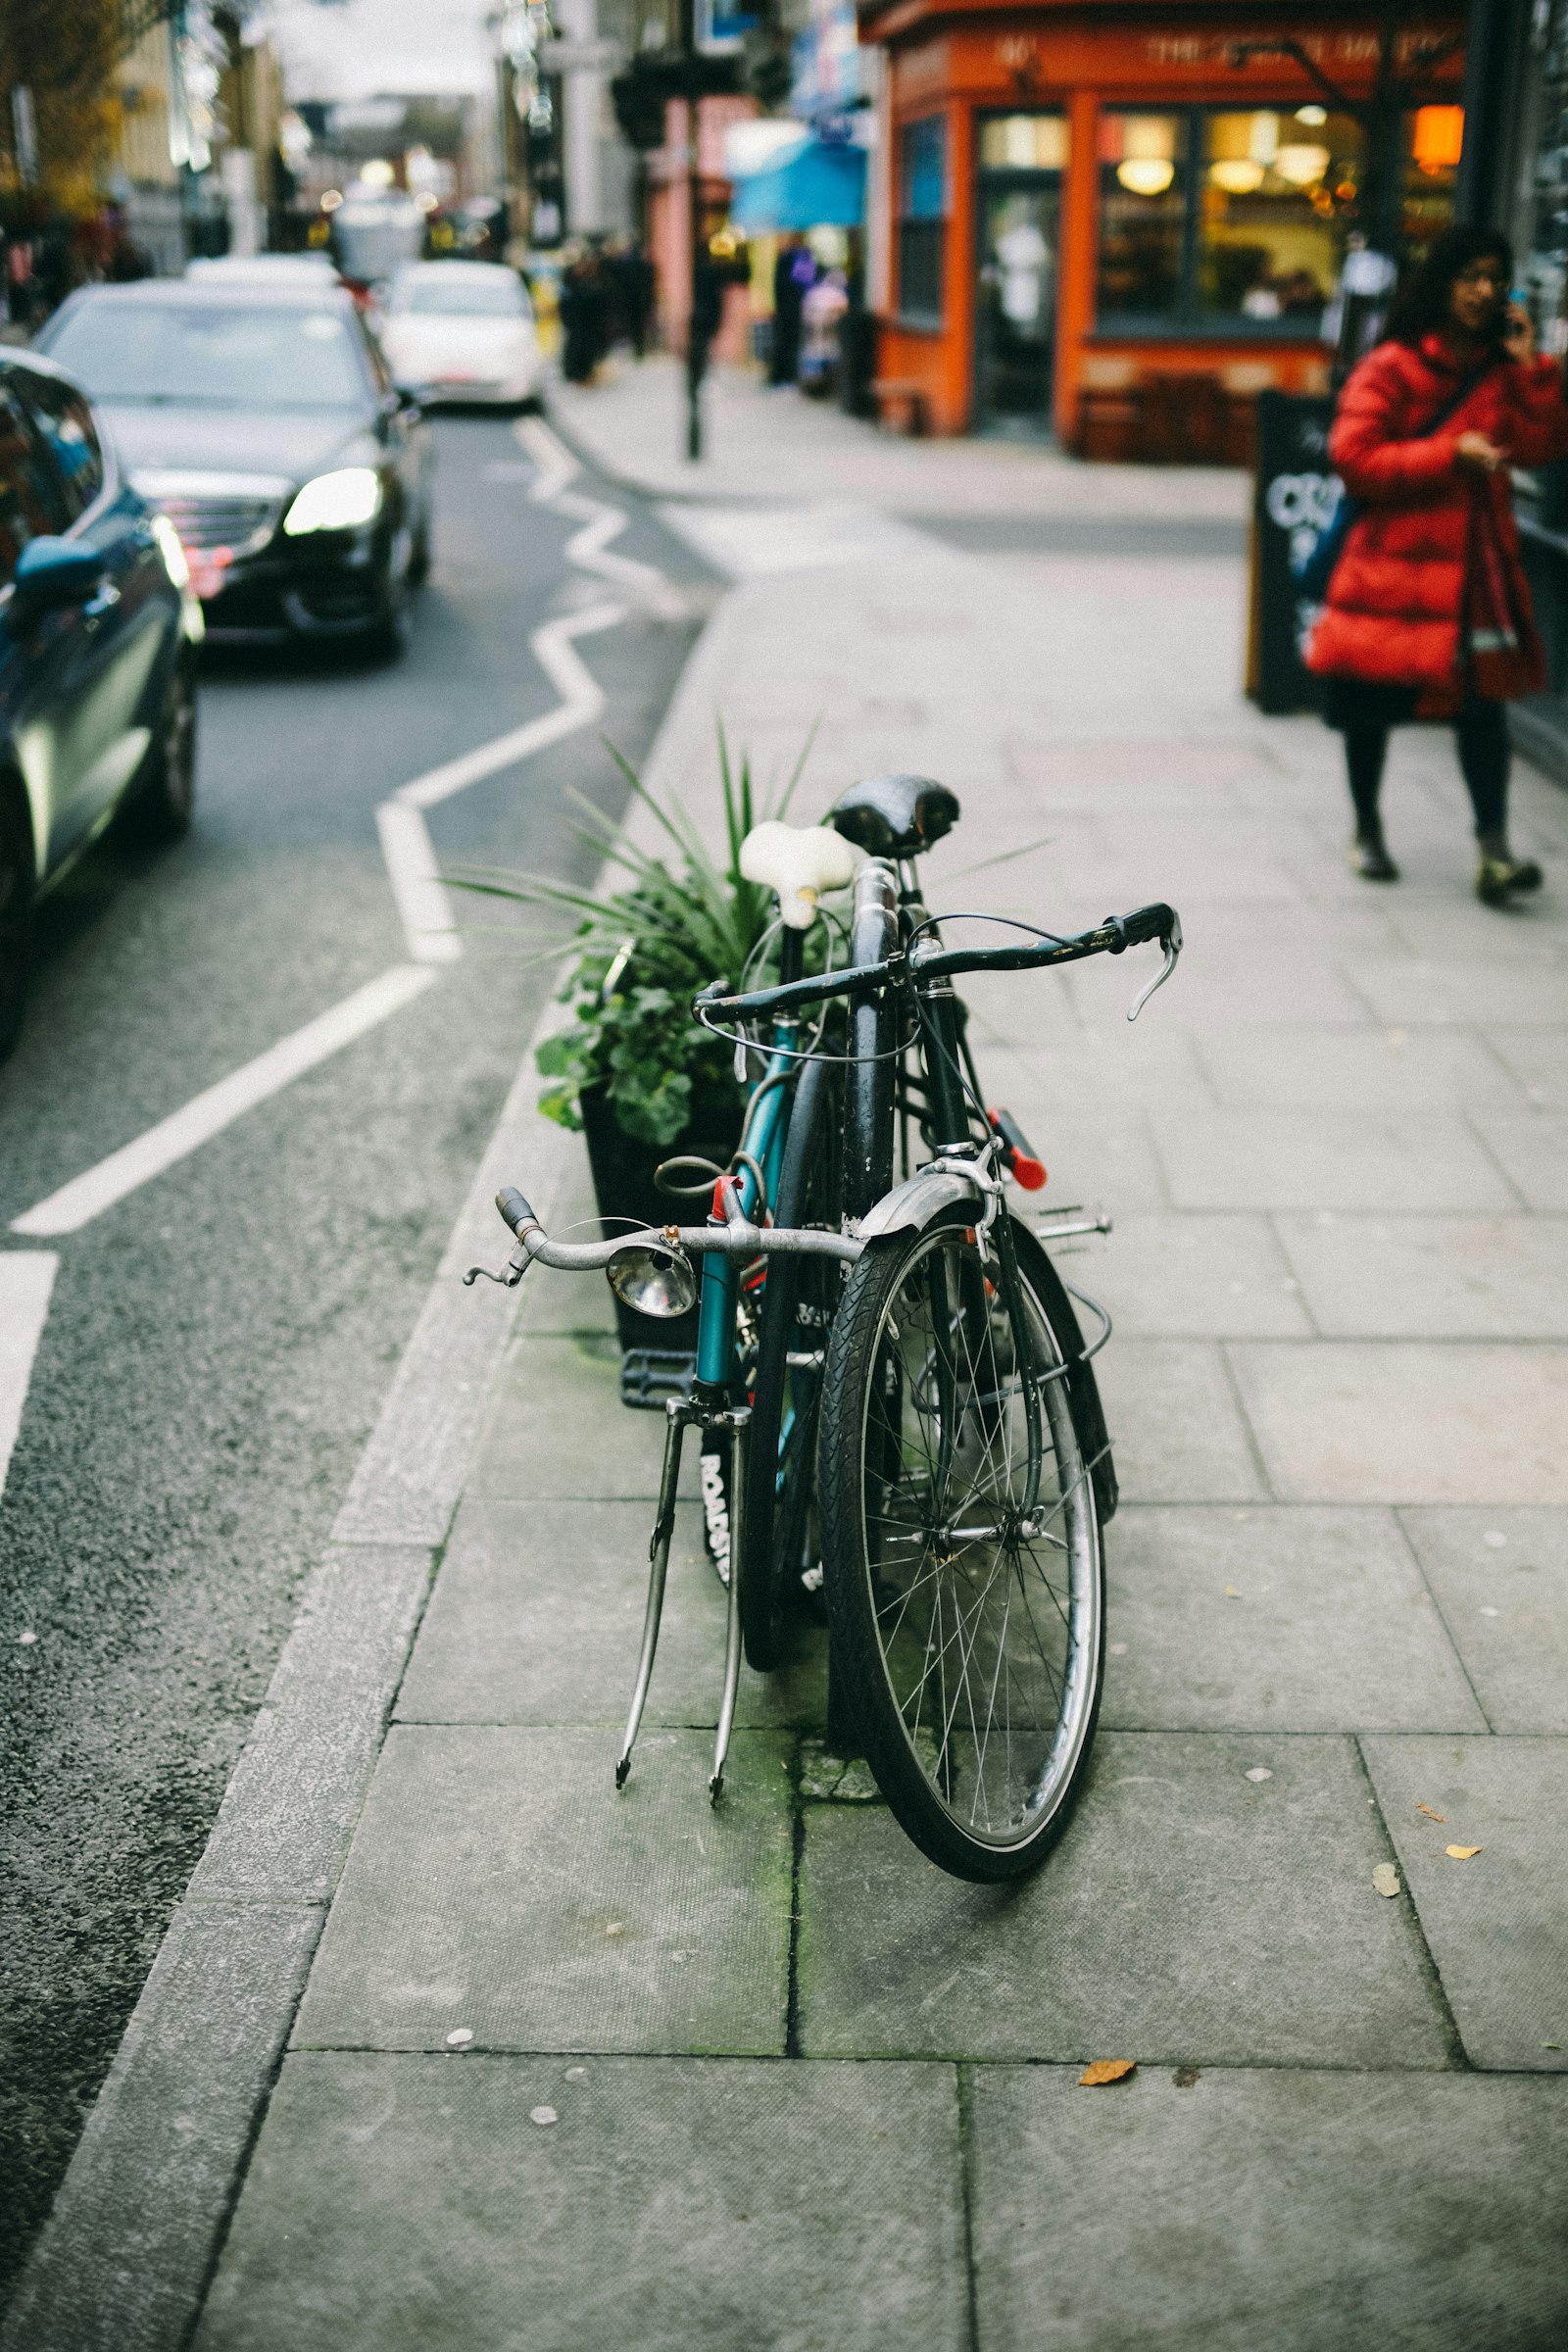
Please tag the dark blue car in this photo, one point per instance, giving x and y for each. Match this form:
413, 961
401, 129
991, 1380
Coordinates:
97, 638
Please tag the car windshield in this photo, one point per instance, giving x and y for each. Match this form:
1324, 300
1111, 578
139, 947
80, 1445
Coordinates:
254, 357
465, 297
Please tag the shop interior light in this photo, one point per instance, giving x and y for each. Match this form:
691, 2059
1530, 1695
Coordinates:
1236, 176
1304, 165
1145, 174
1263, 138
1314, 116
336, 502
1438, 137
378, 172
332, 200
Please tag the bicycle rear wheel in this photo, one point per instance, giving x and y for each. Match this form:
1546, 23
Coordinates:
794, 1312
965, 1572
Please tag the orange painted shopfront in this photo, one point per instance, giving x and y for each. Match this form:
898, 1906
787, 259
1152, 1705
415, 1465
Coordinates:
1095, 222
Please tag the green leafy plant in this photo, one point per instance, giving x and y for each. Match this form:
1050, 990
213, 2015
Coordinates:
641, 954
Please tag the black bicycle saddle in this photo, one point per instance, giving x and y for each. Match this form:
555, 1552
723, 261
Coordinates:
895, 816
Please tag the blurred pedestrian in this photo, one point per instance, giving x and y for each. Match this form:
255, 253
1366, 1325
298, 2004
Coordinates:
1427, 612
633, 277
584, 317
821, 315
793, 274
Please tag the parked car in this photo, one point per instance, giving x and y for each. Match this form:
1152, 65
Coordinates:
264, 270
97, 640
264, 421
460, 331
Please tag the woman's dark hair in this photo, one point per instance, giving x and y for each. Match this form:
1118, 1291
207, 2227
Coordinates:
1422, 302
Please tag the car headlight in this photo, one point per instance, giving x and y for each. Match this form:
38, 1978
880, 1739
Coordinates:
173, 553
336, 502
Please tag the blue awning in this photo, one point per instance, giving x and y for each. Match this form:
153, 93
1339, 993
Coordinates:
820, 185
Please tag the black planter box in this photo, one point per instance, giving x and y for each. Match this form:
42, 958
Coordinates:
624, 1188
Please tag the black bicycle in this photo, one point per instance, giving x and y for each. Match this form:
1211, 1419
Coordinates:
890, 1358
964, 1474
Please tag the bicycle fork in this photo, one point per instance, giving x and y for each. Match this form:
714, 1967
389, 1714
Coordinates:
683, 1413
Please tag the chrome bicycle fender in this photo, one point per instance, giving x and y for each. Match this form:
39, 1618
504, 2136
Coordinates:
911, 1206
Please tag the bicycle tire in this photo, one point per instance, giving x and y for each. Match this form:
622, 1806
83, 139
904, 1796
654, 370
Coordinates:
916, 1609
797, 1299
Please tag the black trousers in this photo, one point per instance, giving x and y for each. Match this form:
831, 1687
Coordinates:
1481, 731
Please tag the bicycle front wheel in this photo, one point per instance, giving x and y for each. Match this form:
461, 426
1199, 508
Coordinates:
965, 1572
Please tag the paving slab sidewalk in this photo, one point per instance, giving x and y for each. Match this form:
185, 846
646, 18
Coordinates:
572, 2068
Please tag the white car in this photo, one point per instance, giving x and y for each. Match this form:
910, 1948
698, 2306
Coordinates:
266, 269
462, 332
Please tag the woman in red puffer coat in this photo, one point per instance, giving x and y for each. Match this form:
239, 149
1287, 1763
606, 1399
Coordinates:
1427, 612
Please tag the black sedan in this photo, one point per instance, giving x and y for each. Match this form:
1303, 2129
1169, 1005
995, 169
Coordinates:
97, 669
263, 423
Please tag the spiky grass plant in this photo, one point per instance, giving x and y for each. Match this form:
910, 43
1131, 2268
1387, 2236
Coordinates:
642, 952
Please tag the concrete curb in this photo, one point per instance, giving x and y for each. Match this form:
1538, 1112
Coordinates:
122, 2259
123, 2262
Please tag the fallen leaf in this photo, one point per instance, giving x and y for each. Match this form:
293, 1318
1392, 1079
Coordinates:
1386, 1878
1107, 2069
1259, 1773
1431, 1816
1186, 2076
1461, 1853
1231, 1594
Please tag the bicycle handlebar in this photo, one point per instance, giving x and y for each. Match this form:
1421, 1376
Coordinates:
1112, 937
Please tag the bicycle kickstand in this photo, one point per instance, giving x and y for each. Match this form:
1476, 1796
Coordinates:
679, 1415
740, 1422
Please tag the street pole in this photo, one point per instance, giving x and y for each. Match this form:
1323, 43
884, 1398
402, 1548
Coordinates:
696, 352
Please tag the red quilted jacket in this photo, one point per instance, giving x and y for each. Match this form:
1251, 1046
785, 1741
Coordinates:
1395, 602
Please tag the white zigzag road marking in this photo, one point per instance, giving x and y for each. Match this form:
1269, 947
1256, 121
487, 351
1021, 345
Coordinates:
27, 1278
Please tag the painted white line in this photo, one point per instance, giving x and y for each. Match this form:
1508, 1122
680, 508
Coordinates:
422, 905
556, 463
588, 548
421, 896
583, 700
87, 1195
27, 1278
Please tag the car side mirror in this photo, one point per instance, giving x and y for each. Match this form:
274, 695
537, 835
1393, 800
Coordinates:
52, 572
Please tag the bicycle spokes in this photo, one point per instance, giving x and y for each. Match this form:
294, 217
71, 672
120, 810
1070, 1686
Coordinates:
965, 1496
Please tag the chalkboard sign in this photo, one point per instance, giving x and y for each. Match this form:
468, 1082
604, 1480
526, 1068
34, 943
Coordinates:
1298, 494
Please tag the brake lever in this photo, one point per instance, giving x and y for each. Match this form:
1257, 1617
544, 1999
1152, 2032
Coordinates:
516, 1267
1172, 944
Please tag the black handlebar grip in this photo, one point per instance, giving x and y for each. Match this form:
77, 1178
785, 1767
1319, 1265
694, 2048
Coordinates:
1145, 923
514, 1210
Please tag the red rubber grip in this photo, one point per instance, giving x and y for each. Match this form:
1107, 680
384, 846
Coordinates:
1026, 1169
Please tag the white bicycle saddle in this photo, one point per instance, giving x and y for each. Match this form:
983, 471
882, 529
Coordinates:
799, 862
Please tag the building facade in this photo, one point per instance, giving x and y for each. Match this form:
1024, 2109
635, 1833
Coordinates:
1118, 222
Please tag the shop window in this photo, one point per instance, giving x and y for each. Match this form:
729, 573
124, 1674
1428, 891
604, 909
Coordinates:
1143, 214
1025, 143
1275, 198
1219, 216
922, 216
